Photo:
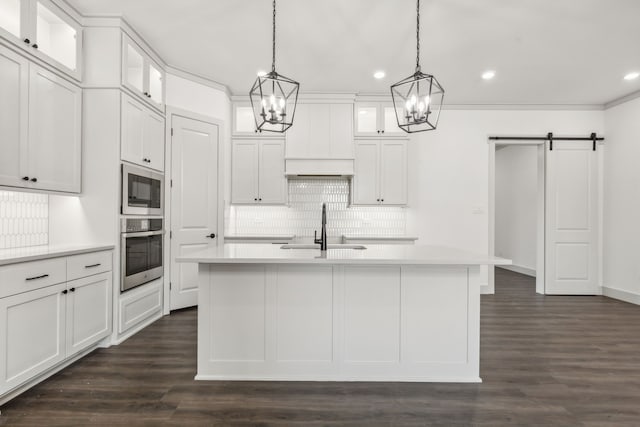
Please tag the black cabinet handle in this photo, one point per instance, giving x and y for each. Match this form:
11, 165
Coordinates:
259, 200
255, 200
93, 265
211, 236
25, 178
378, 131
64, 292
34, 179
72, 289
35, 45
382, 200
382, 131
377, 200
27, 41
37, 277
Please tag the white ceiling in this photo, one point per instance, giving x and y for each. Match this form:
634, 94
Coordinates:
543, 51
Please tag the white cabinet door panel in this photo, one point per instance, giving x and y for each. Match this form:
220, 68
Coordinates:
55, 112
32, 334
14, 110
572, 219
132, 138
88, 312
154, 140
272, 182
245, 172
341, 132
393, 173
365, 181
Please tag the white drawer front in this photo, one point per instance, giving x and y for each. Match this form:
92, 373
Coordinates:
28, 276
84, 265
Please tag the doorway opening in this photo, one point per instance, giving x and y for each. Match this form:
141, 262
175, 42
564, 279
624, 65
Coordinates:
518, 208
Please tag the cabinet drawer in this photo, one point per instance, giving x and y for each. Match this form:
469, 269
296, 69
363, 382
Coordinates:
28, 276
84, 265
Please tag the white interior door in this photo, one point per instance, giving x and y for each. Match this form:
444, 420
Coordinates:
194, 202
572, 219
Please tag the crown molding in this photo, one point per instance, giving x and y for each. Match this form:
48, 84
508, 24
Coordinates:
171, 69
622, 100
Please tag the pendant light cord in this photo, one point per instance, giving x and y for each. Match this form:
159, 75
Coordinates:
273, 59
417, 35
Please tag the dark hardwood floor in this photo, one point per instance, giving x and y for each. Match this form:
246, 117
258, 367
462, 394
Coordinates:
565, 361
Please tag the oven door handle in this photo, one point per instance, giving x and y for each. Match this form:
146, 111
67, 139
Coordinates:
142, 234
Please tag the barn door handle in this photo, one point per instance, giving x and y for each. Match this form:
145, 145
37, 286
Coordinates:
211, 236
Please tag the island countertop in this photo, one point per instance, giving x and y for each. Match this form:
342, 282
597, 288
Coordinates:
373, 254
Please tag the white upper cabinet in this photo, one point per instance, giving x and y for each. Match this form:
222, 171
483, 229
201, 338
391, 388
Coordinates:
142, 134
244, 123
14, 110
257, 172
321, 131
141, 74
44, 30
376, 119
40, 127
54, 153
380, 173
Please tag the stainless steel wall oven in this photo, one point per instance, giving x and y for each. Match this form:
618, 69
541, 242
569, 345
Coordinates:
142, 251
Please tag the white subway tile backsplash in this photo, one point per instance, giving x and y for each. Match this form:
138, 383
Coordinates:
24, 219
303, 215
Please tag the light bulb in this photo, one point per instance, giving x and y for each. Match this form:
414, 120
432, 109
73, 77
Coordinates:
264, 102
413, 100
420, 107
427, 100
282, 103
272, 100
408, 105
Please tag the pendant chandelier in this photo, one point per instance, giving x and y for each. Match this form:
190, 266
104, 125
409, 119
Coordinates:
417, 99
274, 96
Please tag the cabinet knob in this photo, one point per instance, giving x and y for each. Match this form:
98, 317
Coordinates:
35, 45
255, 200
382, 200
25, 178
34, 179
64, 292
377, 200
378, 131
72, 289
382, 131
27, 41
211, 236
259, 200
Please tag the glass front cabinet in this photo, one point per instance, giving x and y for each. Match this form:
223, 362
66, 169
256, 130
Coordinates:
141, 74
376, 119
45, 31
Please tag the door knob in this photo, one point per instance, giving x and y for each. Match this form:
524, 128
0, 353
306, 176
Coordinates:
211, 236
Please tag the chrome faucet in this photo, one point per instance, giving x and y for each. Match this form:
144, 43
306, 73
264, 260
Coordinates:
322, 241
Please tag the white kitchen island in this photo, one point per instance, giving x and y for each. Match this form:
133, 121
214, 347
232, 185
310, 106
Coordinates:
386, 313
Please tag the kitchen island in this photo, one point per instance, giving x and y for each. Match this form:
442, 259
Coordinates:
383, 313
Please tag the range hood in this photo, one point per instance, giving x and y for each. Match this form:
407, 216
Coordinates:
299, 167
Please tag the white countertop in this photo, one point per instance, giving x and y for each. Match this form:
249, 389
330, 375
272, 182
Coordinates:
379, 238
35, 253
267, 237
374, 254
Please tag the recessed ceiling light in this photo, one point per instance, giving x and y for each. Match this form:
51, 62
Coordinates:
632, 76
261, 73
379, 75
488, 75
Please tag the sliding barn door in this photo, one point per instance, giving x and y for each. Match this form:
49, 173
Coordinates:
571, 249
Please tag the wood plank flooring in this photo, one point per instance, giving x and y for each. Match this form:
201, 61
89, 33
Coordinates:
568, 361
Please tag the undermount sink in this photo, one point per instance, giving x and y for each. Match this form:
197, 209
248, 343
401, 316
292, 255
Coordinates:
311, 246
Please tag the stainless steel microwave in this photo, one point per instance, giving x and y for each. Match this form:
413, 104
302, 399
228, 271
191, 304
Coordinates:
142, 191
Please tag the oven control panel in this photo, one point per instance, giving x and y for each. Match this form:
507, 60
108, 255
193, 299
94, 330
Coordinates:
137, 225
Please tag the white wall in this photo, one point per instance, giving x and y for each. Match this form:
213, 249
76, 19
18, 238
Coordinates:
622, 202
449, 170
516, 196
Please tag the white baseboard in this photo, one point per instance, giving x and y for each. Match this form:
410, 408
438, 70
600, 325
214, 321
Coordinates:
519, 269
626, 296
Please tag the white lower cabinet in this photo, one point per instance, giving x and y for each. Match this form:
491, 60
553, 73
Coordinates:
88, 312
32, 334
257, 172
42, 324
380, 176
